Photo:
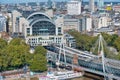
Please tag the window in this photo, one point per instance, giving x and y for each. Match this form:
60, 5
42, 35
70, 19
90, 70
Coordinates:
59, 30
28, 31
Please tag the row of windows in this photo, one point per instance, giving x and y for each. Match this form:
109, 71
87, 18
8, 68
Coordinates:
33, 39
48, 42
37, 34
40, 43
58, 38
34, 44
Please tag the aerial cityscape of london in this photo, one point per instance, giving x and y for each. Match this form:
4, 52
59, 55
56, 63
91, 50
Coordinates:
59, 39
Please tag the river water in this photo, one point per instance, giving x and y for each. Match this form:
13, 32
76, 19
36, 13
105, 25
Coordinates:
82, 78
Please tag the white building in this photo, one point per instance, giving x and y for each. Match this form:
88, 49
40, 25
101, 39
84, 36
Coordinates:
85, 24
59, 22
88, 24
74, 7
21, 24
15, 14
102, 22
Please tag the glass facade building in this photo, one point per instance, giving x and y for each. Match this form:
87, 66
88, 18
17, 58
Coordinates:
100, 4
2, 23
43, 28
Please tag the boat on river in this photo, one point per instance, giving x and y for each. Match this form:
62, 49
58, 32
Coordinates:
61, 75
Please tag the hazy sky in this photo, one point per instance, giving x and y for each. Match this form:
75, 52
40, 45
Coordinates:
20, 1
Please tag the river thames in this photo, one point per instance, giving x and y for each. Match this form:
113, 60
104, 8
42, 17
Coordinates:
82, 78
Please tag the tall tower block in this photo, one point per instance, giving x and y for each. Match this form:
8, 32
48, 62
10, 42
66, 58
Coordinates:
100, 4
91, 6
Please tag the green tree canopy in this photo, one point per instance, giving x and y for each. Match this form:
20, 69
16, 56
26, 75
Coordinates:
3, 43
117, 43
38, 61
83, 41
17, 41
16, 55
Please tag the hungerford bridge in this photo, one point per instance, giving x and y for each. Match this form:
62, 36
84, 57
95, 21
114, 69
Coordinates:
99, 65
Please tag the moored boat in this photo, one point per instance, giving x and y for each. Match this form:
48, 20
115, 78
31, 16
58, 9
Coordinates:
61, 75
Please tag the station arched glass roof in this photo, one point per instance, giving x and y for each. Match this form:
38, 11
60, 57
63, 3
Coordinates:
41, 24
43, 27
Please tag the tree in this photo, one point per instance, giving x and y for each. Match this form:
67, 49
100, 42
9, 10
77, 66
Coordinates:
40, 50
113, 38
117, 43
83, 41
17, 41
16, 55
107, 38
110, 39
38, 61
3, 43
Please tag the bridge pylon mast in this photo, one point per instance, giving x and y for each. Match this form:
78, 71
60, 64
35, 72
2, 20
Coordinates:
101, 50
61, 51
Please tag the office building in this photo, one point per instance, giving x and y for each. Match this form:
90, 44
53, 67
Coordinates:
100, 4
74, 7
70, 40
3, 21
71, 23
102, 22
91, 6
85, 24
15, 14
59, 22
116, 8
21, 24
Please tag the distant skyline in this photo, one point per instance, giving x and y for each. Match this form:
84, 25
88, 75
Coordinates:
21, 1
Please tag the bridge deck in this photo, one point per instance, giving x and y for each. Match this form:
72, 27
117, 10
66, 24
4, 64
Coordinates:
88, 62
